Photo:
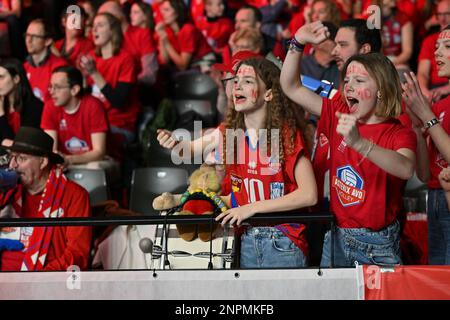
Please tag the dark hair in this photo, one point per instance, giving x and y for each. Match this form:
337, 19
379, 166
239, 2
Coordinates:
256, 12
148, 12
23, 91
182, 12
332, 29
363, 34
47, 30
74, 77
447, 27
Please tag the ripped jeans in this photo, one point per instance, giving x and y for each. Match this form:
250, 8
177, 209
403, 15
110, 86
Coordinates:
363, 246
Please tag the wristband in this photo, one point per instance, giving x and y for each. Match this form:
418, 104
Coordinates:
431, 123
294, 45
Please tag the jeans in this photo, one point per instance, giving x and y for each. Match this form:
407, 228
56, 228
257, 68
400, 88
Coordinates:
363, 246
268, 247
438, 228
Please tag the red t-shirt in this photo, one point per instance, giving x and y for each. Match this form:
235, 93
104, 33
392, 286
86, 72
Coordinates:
197, 11
189, 39
82, 47
297, 21
39, 76
74, 130
437, 162
138, 42
118, 68
362, 194
216, 33
321, 159
257, 3
392, 34
256, 180
427, 53
69, 245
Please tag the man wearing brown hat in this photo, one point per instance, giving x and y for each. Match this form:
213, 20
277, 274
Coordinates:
43, 192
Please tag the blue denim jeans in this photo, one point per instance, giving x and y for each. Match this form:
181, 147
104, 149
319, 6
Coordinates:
268, 247
438, 228
363, 246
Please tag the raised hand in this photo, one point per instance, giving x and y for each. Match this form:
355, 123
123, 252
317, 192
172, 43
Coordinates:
313, 33
416, 102
348, 128
165, 139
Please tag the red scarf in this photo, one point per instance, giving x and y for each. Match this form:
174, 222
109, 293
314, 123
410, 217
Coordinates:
49, 207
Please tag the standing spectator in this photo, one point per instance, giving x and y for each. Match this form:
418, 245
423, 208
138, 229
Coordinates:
74, 44
431, 84
371, 153
214, 25
435, 121
43, 192
179, 42
40, 62
18, 105
138, 42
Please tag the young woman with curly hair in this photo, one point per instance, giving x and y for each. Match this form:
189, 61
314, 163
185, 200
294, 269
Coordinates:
262, 181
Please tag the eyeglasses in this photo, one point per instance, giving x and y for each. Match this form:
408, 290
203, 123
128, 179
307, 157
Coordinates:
56, 88
442, 14
19, 158
34, 36
224, 81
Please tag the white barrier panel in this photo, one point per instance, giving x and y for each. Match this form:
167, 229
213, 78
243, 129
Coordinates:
182, 284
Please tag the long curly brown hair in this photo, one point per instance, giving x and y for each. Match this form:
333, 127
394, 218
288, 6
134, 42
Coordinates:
281, 113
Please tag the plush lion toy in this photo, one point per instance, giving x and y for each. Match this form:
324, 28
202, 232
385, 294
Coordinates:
202, 197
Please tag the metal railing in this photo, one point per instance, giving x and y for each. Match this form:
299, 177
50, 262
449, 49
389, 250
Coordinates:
168, 219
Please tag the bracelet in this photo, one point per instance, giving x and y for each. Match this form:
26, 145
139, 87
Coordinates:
294, 45
430, 123
366, 154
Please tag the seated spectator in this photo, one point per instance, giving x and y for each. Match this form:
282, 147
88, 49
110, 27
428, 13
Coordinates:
90, 11
397, 35
18, 105
74, 44
214, 25
138, 42
432, 85
325, 11
141, 16
43, 192
246, 39
76, 121
321, 64
179, 42
10, 12
40, 62
111, 72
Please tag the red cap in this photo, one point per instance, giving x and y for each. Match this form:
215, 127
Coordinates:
235, 60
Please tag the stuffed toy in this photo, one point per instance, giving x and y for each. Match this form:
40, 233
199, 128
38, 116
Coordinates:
201, 197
